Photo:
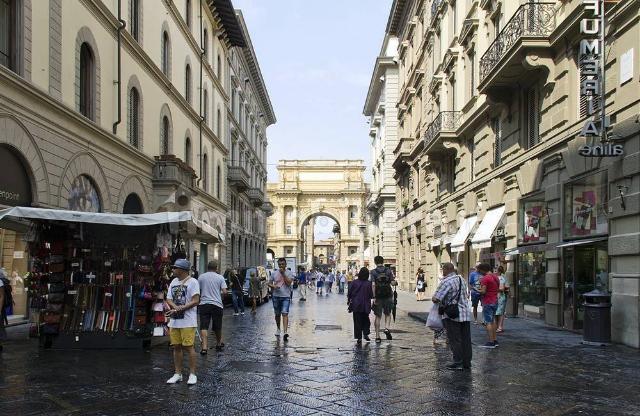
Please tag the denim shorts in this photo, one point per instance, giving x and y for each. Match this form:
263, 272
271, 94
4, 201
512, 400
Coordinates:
281, 305
489, 313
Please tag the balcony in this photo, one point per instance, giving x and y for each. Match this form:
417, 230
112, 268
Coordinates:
239, 178
527, 33
173, 183
267, 207
401, 153
443, 126
256, 196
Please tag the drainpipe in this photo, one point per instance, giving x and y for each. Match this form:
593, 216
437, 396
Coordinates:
119, 81
201, 113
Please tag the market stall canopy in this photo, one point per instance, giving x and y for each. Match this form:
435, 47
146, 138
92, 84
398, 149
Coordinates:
460, 239
12, 217
482, 237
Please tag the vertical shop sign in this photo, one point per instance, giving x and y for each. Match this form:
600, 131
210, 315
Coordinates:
591, 58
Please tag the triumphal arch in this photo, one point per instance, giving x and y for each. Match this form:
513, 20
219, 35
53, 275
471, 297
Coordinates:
308, 189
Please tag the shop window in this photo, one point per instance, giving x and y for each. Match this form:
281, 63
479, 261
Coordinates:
532, 221
585, 206
532, 268
83, 195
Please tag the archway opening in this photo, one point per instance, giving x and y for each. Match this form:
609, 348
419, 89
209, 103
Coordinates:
133, 204
16, 188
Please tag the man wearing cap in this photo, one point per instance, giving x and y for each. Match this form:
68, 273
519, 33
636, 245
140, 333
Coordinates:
182, 298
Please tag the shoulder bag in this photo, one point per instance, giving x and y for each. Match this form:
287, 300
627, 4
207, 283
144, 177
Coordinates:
451, 309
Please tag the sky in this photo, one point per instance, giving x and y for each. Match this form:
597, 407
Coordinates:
316, 58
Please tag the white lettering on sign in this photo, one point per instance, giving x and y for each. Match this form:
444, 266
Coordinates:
601, 150
9, 196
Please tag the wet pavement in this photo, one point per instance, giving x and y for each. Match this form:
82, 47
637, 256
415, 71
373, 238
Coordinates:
320, 371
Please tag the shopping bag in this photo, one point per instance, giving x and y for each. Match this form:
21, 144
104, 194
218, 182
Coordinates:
434, 321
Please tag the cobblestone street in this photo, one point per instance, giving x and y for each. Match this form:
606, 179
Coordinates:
321, 371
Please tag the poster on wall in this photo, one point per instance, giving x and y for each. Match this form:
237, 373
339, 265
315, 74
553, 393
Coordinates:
583, 217
534, 229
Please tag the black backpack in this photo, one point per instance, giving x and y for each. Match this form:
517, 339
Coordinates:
8, 297
382, 283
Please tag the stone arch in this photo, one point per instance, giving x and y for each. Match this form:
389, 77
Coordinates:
307, 214
133, 184
15, 135
84, 163
165, 111
135, 83
86, 36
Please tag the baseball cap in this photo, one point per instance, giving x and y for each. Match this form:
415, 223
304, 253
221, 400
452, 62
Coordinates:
182, 264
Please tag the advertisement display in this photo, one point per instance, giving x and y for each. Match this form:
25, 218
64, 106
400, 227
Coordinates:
533, 222
585, 209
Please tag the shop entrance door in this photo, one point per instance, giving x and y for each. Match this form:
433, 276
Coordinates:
585, 268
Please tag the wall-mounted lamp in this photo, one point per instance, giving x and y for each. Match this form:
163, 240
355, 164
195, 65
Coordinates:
548, 211
622, 190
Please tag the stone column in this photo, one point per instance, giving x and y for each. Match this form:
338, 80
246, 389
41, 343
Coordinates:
361, 228
309, 235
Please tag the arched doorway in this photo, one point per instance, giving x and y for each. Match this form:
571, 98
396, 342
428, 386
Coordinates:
320, 235
16, 187
132, 204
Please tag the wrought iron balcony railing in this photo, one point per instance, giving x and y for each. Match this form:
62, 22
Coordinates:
536, 20
446, 121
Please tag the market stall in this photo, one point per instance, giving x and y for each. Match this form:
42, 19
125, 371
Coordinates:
98, 280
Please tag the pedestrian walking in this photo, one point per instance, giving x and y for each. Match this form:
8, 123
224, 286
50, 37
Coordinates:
474, 284
382, 279
452, 296
489, 284
319, 283
183, 296
331, 277
280, 283
359, 303
420, 285
210, 309
254, 290
343, 281
302, 284
237, 296
349, 279
5, 302
503, 293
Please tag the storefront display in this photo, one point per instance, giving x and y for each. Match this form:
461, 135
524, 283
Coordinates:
532, 268
99, 280
585, 206
532, 220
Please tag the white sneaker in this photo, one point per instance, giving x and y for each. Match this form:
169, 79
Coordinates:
236, 314
278, 333
192, 379
176, 378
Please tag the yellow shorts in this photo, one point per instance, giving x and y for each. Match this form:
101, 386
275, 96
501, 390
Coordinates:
182, 336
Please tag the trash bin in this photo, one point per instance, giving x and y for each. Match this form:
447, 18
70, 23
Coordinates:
597, 318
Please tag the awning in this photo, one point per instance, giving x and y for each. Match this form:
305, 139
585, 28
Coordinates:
582, 242
460, 239
9, 216
482, 237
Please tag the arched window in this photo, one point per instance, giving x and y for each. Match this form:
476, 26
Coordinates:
164, 136
165, 53
219, 125
219, 67
187, 83
187, 151
205, 107
87, 81
187, 13
134, 19
218, 181
205, 173
205, 43
133, 127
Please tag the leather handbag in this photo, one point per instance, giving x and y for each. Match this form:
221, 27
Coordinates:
49, 317
56, 287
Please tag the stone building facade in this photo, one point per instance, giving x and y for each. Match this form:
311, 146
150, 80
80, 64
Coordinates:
308, 189
124, 99
382, 116
493, 163
250, 113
